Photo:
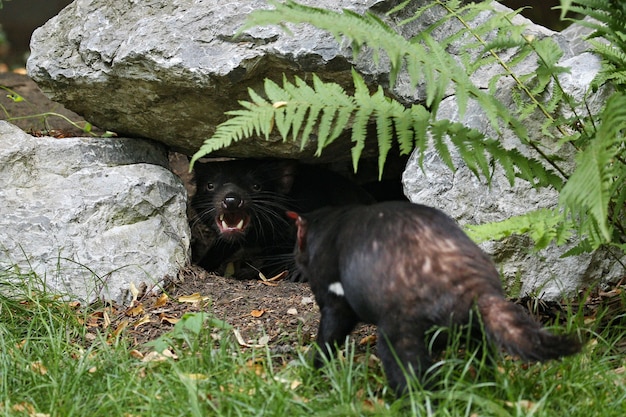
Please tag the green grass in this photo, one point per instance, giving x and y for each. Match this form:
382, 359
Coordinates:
49, 366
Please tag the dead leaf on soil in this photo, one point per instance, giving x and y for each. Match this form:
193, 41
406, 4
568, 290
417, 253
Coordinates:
120, 327
194, 298
136, 354
145, 319
368, 340
171, 320
262, 342
155, 356
135, 311
161, 301
257, 313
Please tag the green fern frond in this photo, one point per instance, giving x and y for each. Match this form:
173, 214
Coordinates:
588, 191
542, 226
296, 110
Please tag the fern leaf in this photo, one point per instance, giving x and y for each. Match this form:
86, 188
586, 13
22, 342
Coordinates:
587, 191
542, 226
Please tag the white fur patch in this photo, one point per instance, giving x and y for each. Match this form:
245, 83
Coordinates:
336, 288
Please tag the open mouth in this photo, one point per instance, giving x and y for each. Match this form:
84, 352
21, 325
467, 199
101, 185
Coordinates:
230, 223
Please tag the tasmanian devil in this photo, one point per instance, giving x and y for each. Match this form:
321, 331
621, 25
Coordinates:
243, 202
406, 268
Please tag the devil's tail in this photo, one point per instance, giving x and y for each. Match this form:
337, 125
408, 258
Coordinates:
509, 326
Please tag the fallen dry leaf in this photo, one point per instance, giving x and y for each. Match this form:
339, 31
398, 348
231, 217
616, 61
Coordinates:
161, 301
134, 291
145, 319
120, 328
192, 299
23, 407
135, 311
257, 313
368, 340
136, 354
262, 342
523, 404
106, 320
196, 377
171, 320
155, 356
38, 367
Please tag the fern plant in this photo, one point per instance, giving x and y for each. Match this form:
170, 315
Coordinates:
592, 197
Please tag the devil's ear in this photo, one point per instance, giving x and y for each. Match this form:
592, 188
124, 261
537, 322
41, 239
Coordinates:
301, 224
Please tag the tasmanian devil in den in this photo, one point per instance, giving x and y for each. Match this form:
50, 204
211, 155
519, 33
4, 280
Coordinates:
406, 268
244, 203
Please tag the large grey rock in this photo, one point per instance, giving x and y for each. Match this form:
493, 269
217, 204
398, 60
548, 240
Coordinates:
91, 216
168, 69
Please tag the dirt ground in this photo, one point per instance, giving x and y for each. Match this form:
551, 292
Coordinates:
281, 314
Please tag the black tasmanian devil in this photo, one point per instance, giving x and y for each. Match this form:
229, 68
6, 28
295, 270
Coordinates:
406, 268
244, 202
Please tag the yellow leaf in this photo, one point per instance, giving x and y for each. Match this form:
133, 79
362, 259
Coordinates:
135, 311
523, 404
24, 407
171, 320
257, 313
106, 320
134, 291
159, 357
145, 319
279, 276
196, 377
162, 300
368, 340
120, 328
136, 354
193, 298
38, 367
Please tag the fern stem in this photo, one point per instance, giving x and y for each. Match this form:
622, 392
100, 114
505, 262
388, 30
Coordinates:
517, 81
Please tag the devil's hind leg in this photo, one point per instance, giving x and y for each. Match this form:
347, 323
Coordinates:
403, 352
337, 321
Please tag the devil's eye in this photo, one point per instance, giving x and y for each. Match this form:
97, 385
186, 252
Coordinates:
256, 187
210, 186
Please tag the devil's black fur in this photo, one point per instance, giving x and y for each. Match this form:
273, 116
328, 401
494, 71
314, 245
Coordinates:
406, 268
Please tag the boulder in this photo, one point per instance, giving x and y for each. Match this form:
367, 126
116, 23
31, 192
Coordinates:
168, 69
90, 216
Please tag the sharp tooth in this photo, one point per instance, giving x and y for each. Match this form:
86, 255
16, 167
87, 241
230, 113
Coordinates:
224, 225
240, 224
221, 217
